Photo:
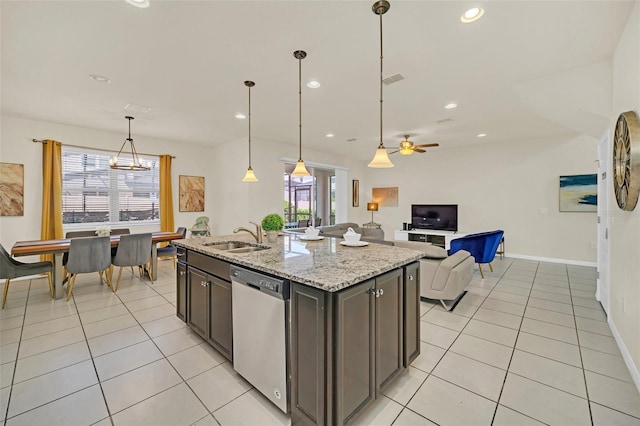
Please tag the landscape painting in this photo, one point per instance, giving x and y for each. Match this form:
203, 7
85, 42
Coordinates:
11, 189
191, 193
579, 193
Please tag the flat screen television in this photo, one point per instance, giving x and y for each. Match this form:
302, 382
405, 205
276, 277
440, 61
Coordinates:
441, 217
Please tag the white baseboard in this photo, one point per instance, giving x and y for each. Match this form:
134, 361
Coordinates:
552, 260
633, 369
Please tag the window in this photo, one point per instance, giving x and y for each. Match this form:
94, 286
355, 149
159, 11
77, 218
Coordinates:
94, 193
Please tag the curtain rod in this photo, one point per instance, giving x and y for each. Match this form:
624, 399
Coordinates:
98, 149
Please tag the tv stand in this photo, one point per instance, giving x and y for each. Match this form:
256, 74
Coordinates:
437, 238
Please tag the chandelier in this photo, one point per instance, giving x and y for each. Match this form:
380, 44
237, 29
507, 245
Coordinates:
135, 164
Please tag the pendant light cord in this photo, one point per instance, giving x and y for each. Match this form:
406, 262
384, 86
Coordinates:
381, 79
300, 108
249, 126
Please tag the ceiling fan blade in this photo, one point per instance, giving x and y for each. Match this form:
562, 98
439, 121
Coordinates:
418, 150
426, 145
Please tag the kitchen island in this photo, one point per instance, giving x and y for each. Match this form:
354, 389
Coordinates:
352, 314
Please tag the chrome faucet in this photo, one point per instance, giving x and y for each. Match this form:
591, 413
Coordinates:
257, 235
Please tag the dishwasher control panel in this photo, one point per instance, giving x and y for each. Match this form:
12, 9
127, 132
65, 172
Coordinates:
274, 286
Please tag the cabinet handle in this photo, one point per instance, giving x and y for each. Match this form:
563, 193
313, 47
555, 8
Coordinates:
203, 283
181, 272
410, 277
180, 254
372, 291
379, 293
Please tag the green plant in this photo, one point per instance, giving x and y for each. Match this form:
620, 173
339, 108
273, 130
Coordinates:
272, 222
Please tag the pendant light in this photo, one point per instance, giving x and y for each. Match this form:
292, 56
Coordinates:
301, 169
249, 176
381, 158
135, 164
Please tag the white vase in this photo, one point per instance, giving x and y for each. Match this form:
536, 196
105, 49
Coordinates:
272, 236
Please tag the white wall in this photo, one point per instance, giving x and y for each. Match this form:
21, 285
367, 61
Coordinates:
625, 226
496, 186
16, 147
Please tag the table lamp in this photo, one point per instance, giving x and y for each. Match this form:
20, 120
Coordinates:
372, 207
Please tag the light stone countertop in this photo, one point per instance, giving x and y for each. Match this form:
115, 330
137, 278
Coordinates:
324, 264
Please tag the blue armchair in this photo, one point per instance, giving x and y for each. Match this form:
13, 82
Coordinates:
482, 246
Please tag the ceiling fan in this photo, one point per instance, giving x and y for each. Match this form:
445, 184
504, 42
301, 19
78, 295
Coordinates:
407, 147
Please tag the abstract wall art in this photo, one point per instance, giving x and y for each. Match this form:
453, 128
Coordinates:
579, 193
385, 196
191, 193
11, 189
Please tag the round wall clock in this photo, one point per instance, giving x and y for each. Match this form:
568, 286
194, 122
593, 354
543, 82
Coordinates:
626, 160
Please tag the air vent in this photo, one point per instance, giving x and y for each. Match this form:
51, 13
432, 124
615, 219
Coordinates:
352, 140
393, 79
444, 121
137, 108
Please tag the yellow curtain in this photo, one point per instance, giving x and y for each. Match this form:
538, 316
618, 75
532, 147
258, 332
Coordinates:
51, 227
166, 196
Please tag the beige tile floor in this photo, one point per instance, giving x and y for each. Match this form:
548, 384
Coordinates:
527, 345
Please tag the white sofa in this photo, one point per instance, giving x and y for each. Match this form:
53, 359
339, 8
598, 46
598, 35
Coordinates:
442, 277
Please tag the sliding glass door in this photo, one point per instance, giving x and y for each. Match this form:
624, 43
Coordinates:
309, 200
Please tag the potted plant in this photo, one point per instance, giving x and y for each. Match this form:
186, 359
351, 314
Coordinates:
272, 224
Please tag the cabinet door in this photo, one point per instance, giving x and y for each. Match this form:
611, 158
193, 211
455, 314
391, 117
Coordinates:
354, 346
388, 326
220, 317
411, 306
309, 334
198, 310
181, 291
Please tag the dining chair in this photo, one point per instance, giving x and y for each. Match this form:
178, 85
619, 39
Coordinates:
133, 250
303, 223
88, 255
171, 250
11, 268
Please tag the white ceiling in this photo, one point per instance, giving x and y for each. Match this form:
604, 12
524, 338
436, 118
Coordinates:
188, 60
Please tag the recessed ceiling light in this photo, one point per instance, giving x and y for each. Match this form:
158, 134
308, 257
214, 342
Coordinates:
139, 3
481, 135
329, 135
472, 15
240, 116
452, 105
314, 84
100, 78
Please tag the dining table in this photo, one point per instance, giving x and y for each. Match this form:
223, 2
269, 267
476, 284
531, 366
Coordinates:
60, 246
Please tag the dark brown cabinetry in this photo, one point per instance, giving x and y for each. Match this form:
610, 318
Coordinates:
411, 302
181, 291
369, 325
209, 301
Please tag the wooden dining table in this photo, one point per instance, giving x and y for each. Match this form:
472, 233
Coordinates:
61, 246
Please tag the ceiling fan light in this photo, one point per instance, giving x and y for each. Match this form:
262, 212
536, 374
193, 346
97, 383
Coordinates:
250, 176
381, 159
300, 170
406, 151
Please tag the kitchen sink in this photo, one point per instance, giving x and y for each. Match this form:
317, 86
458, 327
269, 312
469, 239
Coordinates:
229, 245
235, 246
248, 249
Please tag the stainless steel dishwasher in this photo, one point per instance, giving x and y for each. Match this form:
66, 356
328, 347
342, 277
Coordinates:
260, 319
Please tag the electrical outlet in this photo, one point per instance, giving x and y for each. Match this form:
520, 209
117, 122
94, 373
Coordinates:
594, 244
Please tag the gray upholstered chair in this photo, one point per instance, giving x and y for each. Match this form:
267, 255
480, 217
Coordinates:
442, 277
133, 250
88, 255
171, 250
11, 268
